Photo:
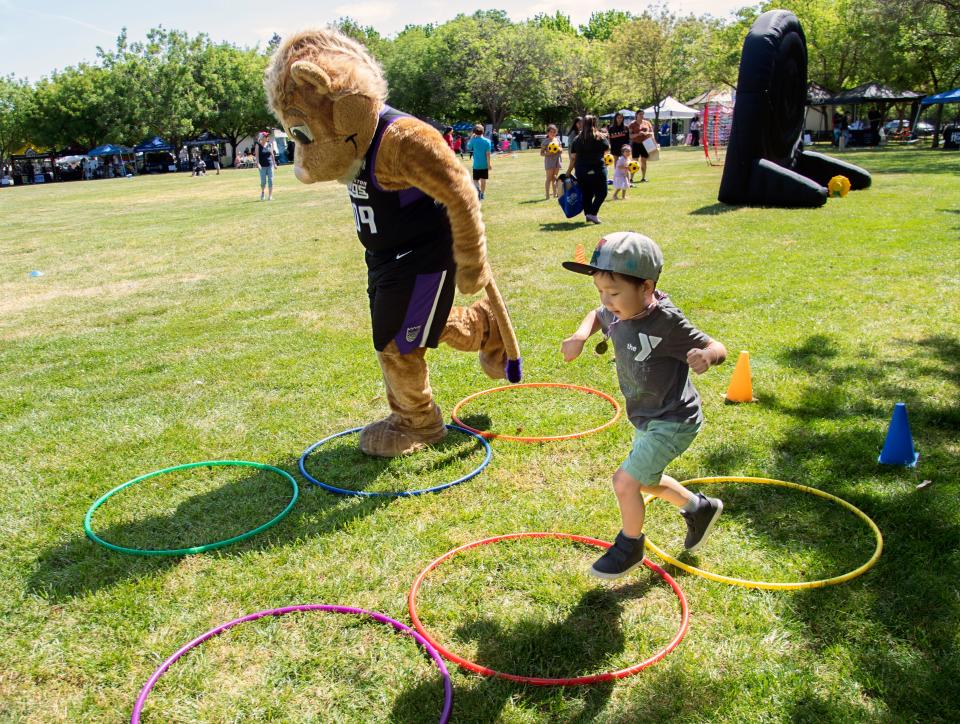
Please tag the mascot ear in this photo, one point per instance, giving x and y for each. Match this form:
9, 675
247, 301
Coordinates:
305, 72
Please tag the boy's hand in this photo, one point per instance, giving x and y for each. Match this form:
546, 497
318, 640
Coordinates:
699, 360
572, 347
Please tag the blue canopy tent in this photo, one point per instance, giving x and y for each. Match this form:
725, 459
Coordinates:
951, 133
463, 126
153, 145
157, 155
951, 96
626, 113
110, 149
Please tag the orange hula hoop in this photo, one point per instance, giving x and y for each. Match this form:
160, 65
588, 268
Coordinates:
546, 438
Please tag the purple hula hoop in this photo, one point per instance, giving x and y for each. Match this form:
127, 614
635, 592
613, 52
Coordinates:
447, 687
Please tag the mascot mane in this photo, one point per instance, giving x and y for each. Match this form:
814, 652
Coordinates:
351, 68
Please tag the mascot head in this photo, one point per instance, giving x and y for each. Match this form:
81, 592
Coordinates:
327, 92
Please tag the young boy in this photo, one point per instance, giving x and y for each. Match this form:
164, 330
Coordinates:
655, 347
479, 148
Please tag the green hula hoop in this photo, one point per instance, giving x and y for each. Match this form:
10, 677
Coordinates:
195, 549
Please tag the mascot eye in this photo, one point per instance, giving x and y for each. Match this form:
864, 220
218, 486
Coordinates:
302, 134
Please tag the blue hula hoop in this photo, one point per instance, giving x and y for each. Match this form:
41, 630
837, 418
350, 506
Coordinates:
392, 494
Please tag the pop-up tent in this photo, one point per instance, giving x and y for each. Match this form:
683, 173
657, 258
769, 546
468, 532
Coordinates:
153, 145
669, 109
110, 149
951, 96
627, 114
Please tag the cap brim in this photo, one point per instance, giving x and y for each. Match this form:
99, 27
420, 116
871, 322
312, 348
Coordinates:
579, 268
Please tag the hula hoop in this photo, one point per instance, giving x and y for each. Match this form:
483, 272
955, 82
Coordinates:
539, 681
393, 494
194, 549
447, 687
545, 438
768, 585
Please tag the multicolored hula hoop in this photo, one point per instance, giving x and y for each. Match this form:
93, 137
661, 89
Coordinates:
545, 438
539, 681
447, 687
772, 585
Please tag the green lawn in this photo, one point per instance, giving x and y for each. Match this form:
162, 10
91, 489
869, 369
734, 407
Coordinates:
178, 319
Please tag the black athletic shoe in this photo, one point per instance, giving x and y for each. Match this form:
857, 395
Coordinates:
700, 523
622, 557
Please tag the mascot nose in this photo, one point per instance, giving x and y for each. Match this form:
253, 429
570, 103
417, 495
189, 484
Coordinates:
303, 176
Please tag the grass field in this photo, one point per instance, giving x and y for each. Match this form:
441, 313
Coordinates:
178, 319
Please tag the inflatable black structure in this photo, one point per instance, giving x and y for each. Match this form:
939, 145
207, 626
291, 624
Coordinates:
765, 162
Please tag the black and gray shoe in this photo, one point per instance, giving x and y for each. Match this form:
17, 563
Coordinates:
622, 557
700, 522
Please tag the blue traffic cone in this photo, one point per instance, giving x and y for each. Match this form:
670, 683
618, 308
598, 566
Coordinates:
898, 448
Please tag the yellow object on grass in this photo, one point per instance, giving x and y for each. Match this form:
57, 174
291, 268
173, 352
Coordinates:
839, 186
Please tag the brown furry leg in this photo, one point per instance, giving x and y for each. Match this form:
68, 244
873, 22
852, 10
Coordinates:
414, 419
474, 328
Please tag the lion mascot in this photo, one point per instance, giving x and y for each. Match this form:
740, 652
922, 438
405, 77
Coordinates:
417, 216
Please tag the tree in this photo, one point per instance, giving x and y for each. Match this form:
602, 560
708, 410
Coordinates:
73, 107
602, 24
232, 79
15, 102
158, 83
645, 51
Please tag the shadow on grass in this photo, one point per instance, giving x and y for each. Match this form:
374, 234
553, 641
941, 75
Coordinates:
78, 566
571, 225
713, 210
899, 620
576, 646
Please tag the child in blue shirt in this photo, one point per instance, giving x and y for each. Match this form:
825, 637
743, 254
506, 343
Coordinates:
655, 348
480, 148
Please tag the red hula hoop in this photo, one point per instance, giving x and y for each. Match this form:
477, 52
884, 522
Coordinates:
548, 438
535, 680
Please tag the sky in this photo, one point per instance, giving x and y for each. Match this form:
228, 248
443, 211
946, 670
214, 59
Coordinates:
40, 37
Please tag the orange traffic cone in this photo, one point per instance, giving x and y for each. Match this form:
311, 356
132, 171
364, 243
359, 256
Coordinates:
579, 255
741, 388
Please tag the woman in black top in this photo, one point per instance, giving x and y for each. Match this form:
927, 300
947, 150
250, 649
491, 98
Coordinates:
266, 161
586, 157
617, 133
574, 131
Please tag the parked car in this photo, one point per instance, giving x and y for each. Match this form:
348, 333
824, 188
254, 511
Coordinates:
923, 128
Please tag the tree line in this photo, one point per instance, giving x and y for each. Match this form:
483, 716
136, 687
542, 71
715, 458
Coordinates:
540, 70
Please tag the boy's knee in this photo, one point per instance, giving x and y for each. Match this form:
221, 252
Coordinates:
624, 484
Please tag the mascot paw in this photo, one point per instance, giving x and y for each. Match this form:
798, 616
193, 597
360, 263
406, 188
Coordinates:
393, 436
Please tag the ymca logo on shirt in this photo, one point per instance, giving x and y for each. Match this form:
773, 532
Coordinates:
647, 344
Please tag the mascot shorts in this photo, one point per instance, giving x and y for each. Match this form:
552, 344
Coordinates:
411, 292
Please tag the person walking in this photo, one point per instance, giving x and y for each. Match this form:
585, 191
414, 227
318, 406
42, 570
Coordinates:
586, 157
618, 134
640, 130
266, 161
480, 149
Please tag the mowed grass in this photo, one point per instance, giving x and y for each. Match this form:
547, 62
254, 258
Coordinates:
178, 320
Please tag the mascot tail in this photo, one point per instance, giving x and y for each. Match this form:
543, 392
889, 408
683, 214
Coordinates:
514, 367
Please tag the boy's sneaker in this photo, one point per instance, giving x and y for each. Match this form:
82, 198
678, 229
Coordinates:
622, 557
701, 521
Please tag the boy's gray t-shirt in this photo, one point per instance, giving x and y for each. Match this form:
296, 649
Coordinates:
652, 363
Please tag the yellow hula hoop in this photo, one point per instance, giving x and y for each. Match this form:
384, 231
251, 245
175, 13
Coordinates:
770, 585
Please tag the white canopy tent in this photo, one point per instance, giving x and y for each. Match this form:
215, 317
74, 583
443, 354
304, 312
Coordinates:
669, 109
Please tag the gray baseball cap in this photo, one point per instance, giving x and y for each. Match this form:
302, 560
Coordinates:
623, 252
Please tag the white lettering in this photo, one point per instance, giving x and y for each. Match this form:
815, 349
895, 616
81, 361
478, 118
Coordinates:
364, 215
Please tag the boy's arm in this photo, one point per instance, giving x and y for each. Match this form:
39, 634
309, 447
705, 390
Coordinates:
489, 164
700, 360
572, 346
